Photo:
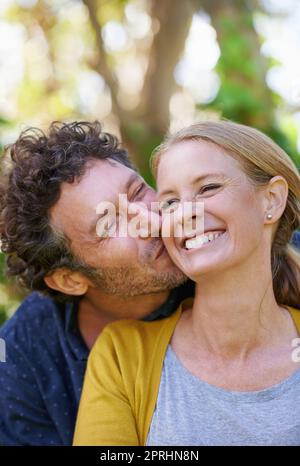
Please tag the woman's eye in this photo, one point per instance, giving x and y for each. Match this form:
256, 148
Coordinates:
209, 187
168, 206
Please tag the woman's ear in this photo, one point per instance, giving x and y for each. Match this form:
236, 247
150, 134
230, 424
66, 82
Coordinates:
68, 282
276, 193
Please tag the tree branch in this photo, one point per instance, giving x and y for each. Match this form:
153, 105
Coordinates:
101, 65
174, 18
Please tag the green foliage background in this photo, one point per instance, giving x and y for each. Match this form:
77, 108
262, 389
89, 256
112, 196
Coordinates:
64, 39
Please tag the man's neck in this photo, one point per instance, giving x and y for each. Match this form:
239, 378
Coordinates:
97, 309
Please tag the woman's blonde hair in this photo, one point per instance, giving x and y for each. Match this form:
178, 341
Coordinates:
260, 159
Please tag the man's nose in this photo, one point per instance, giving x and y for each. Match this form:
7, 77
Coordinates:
144, 222
155, 220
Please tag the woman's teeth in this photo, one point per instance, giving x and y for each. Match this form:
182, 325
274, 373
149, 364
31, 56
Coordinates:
202, 239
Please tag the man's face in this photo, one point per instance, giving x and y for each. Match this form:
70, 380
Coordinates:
121, 265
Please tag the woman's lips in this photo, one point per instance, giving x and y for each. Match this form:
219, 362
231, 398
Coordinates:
200, 241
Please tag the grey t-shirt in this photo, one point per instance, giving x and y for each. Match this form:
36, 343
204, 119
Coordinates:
191, 412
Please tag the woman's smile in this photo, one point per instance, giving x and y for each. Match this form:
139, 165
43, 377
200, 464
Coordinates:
199, 241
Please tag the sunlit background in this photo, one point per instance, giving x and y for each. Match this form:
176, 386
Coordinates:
144, 67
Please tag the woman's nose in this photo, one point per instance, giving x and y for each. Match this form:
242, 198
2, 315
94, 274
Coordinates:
185, 221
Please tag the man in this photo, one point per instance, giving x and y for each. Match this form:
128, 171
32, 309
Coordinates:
54, 244
49, 230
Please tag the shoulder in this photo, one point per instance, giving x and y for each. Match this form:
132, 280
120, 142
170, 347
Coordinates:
34, 318
296, 239
126, 353
24, 342
131, 343
135, 332
295, 313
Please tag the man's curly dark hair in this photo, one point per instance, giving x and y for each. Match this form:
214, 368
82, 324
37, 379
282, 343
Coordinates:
32, 171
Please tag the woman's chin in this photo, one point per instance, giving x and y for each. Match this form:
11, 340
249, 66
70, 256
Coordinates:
199, 271
208, 258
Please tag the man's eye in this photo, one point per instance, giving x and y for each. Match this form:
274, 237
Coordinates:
139, 189
209, 187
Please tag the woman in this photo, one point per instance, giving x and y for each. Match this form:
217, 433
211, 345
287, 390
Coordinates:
226, 370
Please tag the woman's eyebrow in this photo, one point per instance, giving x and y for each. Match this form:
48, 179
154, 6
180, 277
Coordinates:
218, 175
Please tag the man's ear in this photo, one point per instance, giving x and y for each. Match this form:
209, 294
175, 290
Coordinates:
68, 282
276, 195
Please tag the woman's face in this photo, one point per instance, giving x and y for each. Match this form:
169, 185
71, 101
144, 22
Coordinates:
234, 210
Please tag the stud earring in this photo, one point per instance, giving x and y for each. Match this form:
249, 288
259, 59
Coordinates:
269, 216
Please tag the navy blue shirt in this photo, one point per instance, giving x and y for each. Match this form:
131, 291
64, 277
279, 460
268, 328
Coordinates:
42, 378
296, 239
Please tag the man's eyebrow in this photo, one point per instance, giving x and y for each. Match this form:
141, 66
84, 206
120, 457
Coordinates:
219, 175
133, 177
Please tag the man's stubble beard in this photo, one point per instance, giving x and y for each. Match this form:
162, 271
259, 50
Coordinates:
129, 282
135, 281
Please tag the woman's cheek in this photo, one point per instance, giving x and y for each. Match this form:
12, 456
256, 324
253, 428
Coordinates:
169, 244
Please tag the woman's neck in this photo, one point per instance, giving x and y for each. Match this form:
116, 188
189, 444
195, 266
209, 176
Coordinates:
235, 311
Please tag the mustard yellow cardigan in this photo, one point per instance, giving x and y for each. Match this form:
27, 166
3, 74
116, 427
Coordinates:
122, 381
